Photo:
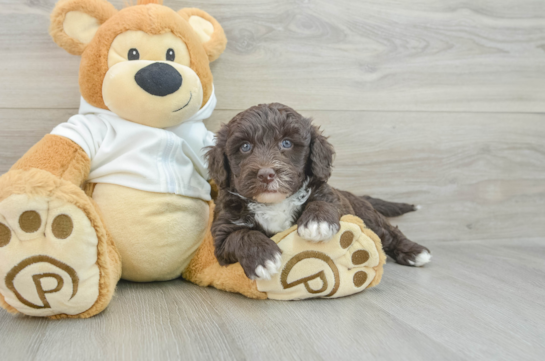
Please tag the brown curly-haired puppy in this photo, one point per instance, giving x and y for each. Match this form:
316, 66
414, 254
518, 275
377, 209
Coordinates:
272, 166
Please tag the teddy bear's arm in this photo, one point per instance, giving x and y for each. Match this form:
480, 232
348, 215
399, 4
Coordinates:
59, 156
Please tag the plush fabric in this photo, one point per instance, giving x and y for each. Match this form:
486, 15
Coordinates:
152, 19
156, 234
346, 264
204, 270
151, 47
101, 10
156, 111
80, 26
58, 155
216, 41
355, 259
41, 185
50, 258
63, 249
138, 156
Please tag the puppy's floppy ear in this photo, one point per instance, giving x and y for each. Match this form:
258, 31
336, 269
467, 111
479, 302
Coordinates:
74, 23
321, 155
218, 165
208, 29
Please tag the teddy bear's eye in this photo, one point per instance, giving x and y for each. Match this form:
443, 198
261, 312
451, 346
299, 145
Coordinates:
133, 54
170, 55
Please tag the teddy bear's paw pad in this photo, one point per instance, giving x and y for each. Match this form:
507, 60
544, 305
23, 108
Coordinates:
339, 267
48, 257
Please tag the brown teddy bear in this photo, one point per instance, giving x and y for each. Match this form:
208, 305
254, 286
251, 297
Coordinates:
121, 189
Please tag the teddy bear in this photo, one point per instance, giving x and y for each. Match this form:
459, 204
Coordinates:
121, 189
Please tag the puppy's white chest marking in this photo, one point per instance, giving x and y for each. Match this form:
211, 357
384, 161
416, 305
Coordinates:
275, 218
278, 217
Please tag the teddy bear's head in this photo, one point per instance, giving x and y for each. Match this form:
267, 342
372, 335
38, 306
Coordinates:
146, 63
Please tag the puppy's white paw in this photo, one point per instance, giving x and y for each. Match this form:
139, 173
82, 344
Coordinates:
318, 231
421, 259
271, 268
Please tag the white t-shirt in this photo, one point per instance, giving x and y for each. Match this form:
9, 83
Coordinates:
137, 156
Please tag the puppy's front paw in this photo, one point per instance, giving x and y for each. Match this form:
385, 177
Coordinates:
319, 222
318, 231
270, 268
261, 258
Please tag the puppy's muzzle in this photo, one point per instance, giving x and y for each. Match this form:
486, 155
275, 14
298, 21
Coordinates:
159, 79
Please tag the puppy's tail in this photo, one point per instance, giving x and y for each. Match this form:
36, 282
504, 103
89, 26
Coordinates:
390, 209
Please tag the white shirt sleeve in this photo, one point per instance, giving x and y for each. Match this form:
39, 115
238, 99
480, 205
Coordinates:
87, 131
210, 139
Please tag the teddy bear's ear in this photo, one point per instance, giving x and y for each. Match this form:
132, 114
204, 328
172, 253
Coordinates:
208, 29
75, 22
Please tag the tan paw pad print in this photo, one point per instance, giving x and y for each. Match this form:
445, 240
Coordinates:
48, 256
346, 264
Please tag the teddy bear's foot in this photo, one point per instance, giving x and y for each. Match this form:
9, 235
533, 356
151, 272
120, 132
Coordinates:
348, 263
52, 249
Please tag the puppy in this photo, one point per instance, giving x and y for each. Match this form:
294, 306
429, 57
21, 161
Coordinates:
272, 166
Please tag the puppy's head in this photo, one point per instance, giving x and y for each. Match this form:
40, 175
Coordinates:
266, 152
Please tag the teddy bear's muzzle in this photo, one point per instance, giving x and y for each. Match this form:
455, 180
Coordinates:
160, 79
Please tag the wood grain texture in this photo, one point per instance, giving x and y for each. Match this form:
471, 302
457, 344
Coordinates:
430, 102
478, 300
476, 175
319, 54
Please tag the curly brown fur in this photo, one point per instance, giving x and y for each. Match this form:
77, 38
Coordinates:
270, 172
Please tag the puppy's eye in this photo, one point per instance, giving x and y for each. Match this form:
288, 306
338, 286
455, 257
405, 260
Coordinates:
171, 55
246, 147
286, 144
133, 54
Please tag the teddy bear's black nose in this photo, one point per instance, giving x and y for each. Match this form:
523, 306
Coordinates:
159, 79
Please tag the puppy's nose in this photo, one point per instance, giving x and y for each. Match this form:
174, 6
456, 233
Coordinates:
266, 175
160, 79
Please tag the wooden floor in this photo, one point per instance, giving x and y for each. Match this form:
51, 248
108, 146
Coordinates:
438, 103
478, 300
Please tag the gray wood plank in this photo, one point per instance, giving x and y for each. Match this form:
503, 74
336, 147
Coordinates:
453, 309
345, 329
20, 129
476, 297
350, 55
476, 175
